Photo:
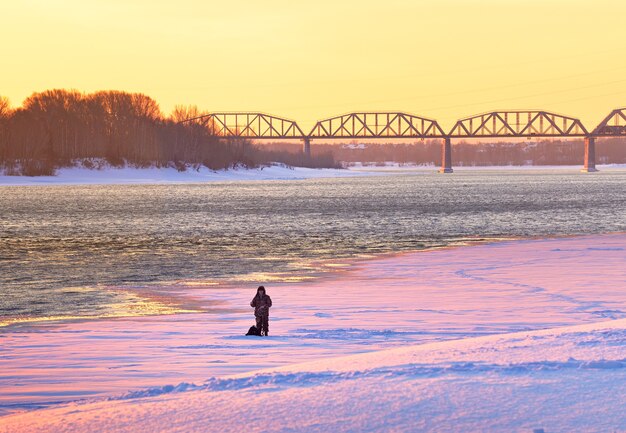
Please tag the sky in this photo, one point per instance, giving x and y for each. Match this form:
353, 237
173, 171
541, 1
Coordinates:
309, 60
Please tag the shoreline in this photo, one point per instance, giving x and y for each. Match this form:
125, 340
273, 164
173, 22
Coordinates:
167, 176
171, 176
172, 299
178, 301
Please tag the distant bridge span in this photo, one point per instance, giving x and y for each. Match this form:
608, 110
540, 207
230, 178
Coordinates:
400, 125
496, 124
249, 125
377, 125
511, 124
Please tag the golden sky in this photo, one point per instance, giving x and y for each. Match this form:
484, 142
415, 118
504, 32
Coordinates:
308, 60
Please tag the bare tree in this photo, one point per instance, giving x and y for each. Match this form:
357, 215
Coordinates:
5, 107
185, 112
55, 127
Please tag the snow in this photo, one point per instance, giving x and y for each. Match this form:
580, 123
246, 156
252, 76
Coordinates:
557, 380
394, 166
518, 335
129, 175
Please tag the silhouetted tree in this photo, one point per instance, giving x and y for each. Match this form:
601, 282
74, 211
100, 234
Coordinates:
5, 115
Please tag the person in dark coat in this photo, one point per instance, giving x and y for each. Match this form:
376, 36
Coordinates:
261, 304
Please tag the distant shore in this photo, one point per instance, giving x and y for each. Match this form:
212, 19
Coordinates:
154, 175
170, 175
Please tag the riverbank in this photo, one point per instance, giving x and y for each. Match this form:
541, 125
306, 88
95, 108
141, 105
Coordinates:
455, 311
129, 175
169, 175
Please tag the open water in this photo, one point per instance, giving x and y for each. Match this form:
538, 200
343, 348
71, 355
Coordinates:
68, 251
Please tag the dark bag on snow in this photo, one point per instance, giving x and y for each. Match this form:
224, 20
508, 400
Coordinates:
253, 331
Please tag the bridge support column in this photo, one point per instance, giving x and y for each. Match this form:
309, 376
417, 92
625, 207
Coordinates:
446, 156
306, 147
589, 166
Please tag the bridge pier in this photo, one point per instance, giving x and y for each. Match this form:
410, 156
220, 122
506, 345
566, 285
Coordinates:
446, 156
306, 147
589, 165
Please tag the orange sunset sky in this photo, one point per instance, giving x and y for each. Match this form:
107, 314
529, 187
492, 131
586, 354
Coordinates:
309, 60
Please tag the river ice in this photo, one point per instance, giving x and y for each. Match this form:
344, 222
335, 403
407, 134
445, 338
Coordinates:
508, 336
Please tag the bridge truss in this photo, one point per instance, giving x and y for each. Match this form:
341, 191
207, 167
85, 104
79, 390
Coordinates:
249, 125
520, 124
377, 125
613, 125
497, 124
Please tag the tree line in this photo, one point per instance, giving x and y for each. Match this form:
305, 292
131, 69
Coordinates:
55, 128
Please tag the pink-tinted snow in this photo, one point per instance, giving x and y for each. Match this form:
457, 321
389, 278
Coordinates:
445, 319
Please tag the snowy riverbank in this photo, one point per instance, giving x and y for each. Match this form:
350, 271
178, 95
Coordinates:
129, 175
153, 175
561, 380
509, 336
391, 166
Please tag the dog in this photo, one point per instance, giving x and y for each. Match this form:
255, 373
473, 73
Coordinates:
253, 331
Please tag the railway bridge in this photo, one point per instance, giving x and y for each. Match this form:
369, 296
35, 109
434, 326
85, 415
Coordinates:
401, 125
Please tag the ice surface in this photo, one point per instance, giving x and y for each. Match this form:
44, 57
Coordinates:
509, 336
512, 382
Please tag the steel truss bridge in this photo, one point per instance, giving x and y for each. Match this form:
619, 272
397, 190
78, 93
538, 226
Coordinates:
399, 125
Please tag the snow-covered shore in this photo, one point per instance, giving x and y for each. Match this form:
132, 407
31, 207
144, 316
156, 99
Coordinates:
390, 166
153, 175
560, 380
508, 336
129, 175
